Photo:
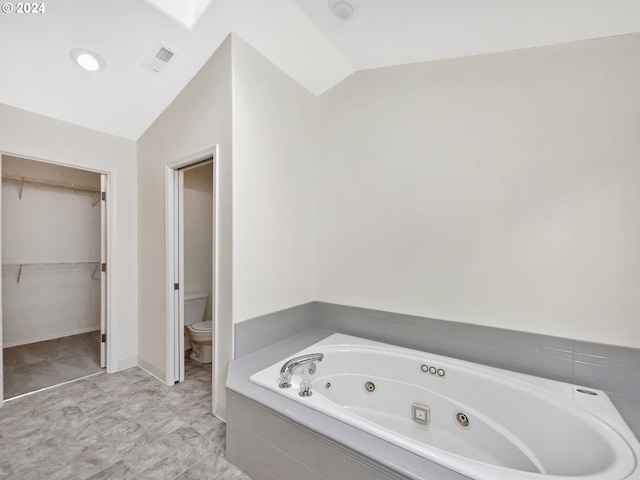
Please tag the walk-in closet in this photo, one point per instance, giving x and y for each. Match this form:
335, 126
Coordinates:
52, 228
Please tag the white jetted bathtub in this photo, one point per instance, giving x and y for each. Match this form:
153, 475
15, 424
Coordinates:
483, 422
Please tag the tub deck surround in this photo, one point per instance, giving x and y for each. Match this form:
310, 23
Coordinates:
483, 422
251, 406
256, 416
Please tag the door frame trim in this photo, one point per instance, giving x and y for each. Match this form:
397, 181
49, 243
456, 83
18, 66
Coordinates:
170, 267
110, 344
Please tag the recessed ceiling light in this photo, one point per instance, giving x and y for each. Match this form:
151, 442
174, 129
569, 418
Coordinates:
343, 9
87, 59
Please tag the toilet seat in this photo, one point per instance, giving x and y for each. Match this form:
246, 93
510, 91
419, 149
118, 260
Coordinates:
203, 327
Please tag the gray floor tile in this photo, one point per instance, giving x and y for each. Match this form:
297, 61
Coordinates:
119, 470
145, 457
124, 425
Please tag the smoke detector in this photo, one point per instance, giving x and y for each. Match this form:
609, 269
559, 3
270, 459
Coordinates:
159, 59
344, 9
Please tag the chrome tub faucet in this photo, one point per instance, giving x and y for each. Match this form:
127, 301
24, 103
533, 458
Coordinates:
290, 365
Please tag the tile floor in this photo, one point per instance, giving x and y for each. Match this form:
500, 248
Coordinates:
126, 425
30, 367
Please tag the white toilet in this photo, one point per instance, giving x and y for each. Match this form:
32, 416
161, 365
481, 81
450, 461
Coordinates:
199, 331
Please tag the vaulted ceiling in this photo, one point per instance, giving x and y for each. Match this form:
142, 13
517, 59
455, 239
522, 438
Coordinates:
303, 37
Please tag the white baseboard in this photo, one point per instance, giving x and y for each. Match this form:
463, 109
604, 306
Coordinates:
221, 412
50, 337
152, 369
127, 363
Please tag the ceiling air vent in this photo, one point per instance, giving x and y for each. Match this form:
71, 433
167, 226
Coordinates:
159, 59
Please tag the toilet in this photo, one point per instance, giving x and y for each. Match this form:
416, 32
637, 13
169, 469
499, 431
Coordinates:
199, 331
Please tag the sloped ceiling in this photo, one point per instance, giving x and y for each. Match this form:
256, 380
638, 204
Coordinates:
302, 37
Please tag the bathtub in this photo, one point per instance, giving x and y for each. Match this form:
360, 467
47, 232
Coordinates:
482, 422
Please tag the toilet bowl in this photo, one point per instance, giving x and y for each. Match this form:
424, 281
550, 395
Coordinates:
198, 331
201, 341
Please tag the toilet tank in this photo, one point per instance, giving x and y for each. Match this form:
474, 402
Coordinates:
195, 304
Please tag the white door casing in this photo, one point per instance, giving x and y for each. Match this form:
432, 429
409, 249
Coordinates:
105, 320
104, 271
175, 266
1, 324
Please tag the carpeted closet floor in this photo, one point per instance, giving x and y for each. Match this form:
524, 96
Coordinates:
30, 367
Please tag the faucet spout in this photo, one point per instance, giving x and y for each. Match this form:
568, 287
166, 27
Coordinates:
290, 365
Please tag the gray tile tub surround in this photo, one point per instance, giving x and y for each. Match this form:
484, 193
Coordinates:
610, 368
270, 437
261, 332
614, 369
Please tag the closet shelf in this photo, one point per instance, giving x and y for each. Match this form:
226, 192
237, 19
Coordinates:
22, 181
49, 264
19, 267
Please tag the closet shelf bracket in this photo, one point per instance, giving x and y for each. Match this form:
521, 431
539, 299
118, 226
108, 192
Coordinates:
94, 272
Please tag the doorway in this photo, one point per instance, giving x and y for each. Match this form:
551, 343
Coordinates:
197, 227
53, 274
191, 268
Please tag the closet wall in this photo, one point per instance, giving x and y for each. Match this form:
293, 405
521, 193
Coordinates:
50, 251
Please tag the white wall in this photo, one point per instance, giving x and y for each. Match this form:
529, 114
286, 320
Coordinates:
49, 224
274, 147
274, 150
498, 190
198, 231
29, 135
198, 119
41, 226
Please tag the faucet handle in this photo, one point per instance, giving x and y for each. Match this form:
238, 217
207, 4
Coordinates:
305, 388
285, 380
